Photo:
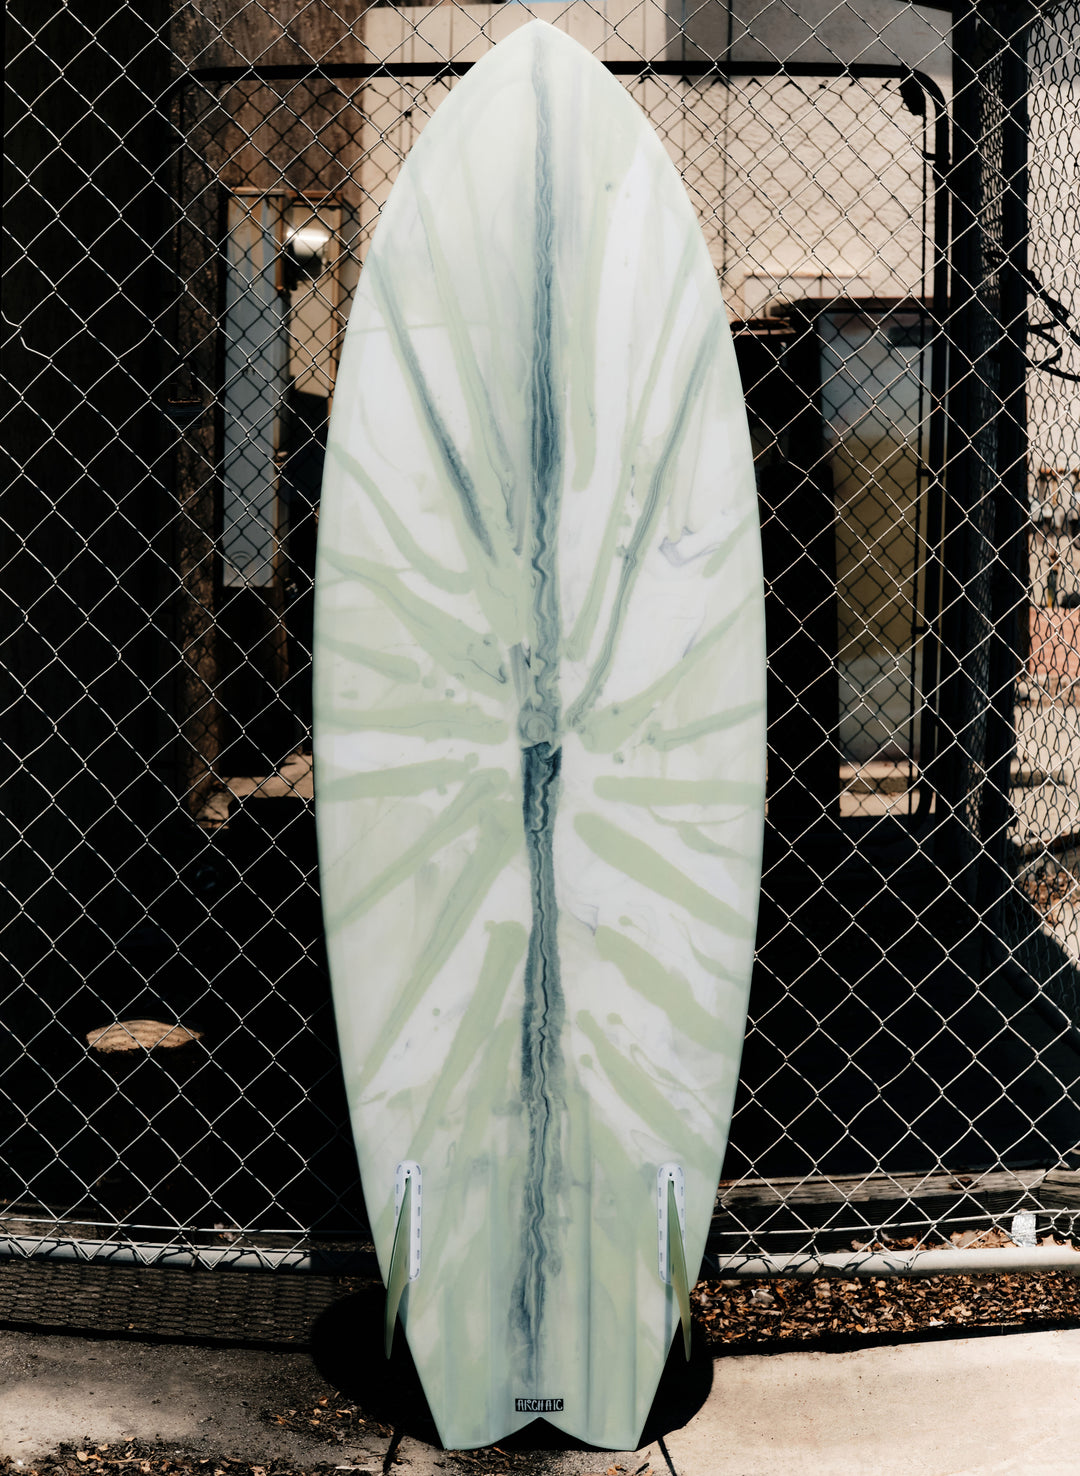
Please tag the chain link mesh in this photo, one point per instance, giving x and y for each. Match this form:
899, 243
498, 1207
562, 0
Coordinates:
190, 193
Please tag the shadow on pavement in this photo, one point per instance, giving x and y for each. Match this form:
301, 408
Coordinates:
346, 1346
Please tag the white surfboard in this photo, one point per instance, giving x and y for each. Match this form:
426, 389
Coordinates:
540, 745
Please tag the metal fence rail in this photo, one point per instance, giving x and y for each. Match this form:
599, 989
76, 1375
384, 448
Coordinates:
190, 194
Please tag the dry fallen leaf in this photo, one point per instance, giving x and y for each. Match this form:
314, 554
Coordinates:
133, 1035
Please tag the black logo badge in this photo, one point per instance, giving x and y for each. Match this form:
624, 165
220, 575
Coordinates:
538, 1406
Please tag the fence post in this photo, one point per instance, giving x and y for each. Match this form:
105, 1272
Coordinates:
1011, 579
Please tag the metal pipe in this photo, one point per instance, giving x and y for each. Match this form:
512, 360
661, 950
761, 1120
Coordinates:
182, 1257
1009, 592
941, 164
803, 1264
438, 70
943, 1262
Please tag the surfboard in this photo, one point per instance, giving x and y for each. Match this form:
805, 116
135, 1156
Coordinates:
539, 747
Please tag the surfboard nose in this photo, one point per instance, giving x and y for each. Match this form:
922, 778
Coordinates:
547, 40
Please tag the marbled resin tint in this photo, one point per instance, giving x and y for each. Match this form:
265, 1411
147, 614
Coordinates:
539, 736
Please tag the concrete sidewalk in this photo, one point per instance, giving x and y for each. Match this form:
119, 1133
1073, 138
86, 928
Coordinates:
985, 1406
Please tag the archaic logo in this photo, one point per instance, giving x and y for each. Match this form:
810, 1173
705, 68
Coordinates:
538, 1406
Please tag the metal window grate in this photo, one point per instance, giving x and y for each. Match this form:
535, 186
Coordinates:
190, 194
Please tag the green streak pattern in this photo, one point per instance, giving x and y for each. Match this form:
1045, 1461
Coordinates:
641, 863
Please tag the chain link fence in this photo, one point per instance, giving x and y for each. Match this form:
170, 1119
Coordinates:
892, 210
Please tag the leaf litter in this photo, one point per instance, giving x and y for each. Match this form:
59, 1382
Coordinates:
744, 1314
